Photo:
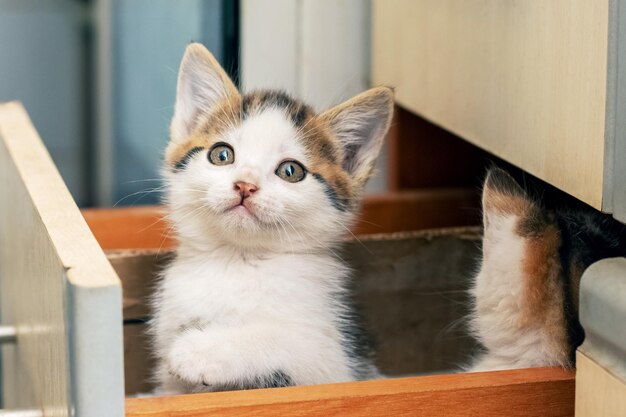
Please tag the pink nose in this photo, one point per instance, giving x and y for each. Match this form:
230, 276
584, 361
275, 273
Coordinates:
245, 189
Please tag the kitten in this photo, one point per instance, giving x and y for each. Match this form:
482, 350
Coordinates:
260, 190
526, 294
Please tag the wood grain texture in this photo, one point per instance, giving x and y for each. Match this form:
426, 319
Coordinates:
524, 80
54, 277
598, 392
541, 392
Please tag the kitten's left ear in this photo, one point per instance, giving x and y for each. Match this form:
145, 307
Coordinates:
202, 83
503, 195
504, 198
361, 124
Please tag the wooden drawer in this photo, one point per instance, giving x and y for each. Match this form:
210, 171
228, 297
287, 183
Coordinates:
535, 83
62, 293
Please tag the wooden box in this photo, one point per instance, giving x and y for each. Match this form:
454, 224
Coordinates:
413, 301
69, 303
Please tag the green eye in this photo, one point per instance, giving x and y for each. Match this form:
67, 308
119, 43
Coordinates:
291, 171
221, 154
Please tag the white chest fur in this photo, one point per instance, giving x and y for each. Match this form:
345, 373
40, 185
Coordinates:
252, 316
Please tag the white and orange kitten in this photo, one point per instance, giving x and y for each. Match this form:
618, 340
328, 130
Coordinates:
260, 190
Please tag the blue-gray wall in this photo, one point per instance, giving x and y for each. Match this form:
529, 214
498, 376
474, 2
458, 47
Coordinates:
46, 56
149, 39
42, 64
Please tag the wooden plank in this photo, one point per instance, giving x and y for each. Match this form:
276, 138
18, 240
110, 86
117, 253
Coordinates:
130, 227
525, 80
144, 227
545, 392
54, 277
398, 211
598, 391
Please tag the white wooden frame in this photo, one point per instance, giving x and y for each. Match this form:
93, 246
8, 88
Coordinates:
56, 287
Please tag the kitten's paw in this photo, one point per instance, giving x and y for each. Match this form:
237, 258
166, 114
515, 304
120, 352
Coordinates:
198, 363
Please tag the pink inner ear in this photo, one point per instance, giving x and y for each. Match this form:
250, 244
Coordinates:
202, 83
502, 194
360, 124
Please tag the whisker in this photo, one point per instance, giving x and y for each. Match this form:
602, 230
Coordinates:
355, 237
174, 223
143, 193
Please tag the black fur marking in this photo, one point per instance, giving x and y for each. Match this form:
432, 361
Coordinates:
278, 99
245, 106
575, 332
297, 111
536, 222
182, 163
588, 236
277, 379
357, 343
338, 203
328, 152
300, 114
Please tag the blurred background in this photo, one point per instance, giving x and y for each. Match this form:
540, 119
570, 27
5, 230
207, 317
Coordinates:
98, 77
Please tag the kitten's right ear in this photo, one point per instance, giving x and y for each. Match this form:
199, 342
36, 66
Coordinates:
361, 124
202, 83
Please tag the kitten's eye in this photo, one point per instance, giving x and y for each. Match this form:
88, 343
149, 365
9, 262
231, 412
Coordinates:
221, 154
291, 171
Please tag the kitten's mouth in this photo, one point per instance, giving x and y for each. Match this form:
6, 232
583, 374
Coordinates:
243, 208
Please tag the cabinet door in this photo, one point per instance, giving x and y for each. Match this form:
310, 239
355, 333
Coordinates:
525, 80
56, 287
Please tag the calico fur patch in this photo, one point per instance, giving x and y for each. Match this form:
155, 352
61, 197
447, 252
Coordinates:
526, 292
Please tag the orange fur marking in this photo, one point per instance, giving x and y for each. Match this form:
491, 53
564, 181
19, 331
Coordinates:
543, 295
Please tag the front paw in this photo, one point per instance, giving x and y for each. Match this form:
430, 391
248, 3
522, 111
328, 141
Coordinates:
198, 363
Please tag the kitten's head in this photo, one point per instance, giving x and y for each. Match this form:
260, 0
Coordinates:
262, 170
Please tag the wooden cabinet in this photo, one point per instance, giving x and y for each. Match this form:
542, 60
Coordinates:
535, 83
